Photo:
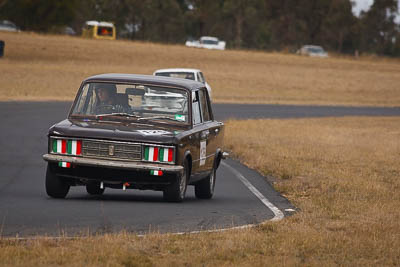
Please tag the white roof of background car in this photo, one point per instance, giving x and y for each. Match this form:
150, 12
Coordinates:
177, 70
101, 23
6, 25
312, 46
209, 38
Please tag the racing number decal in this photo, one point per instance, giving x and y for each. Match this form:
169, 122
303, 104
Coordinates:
203, 147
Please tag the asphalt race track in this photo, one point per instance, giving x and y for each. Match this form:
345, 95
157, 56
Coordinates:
242, 196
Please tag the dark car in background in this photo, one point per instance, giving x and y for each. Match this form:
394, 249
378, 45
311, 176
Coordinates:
129, 131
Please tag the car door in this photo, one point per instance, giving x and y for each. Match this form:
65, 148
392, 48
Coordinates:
205, 132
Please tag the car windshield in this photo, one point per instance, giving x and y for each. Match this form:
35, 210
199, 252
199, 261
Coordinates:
209, 41
133, 102
317, 50
5, 24
104, 31
183, 75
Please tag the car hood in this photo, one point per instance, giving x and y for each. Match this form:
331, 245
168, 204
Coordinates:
118, 131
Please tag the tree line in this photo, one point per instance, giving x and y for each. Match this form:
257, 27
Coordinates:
271, 25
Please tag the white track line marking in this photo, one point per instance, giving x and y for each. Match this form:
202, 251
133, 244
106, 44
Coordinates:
278, 215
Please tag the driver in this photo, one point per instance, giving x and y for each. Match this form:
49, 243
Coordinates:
106, 99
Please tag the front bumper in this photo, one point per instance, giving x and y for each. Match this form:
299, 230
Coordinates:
113, 164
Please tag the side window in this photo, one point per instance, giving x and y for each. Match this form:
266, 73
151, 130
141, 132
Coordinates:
198, 77
202, 77
196, 108
85, 102
204, 105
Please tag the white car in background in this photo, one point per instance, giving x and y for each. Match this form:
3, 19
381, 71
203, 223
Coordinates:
312, 51
8, 26
190, 74
208, 42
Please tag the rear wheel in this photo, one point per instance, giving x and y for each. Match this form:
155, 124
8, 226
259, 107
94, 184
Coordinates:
177, 190
56, 187
205, 188
94, 189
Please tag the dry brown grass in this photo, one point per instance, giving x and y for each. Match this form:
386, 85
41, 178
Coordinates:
343, 173
45, 67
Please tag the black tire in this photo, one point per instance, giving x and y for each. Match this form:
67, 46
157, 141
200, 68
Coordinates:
94, 189
56, 187
205, 188
177, 190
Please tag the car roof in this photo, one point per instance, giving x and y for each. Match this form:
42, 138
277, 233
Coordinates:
97, 23
312, 46
7, 22
209, 38
145, 79
177, 70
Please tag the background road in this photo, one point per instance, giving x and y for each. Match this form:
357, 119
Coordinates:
246, 111
26, 210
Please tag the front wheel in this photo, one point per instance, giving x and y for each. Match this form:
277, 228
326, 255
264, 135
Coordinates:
205, 188
177, 190
55, 186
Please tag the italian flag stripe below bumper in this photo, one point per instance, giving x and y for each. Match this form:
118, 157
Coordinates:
156, 173
64, 164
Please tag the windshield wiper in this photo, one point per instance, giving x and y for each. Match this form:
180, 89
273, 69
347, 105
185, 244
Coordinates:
156, 118
121, 114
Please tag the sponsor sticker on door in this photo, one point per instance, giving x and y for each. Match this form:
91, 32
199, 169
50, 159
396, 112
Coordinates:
203, 150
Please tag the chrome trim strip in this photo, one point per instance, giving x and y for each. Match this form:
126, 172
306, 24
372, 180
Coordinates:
209, 156
113, 164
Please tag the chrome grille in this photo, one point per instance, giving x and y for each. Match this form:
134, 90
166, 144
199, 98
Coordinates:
111, 150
